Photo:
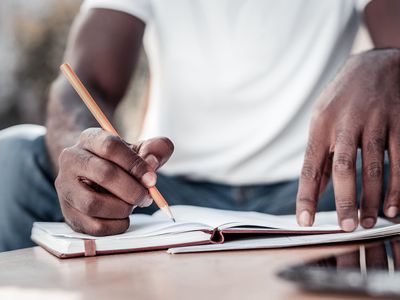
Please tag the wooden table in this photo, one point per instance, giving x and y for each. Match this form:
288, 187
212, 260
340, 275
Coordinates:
156, 275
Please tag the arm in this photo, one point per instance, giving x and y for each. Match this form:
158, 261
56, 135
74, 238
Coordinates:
358, 109
101, 178
103, 49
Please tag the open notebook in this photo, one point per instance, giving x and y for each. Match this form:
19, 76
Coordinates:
194, 226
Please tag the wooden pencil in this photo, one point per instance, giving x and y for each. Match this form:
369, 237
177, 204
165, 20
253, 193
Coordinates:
106, 125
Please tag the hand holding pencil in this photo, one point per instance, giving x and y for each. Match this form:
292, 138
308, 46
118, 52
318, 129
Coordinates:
102, 178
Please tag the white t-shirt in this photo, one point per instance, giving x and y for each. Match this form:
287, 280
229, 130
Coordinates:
234, 81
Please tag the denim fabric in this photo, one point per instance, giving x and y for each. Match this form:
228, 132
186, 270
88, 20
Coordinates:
27, 192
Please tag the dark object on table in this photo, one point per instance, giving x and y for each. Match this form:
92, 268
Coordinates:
373, 269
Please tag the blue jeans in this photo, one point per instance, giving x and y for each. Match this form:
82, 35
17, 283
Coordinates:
27, 192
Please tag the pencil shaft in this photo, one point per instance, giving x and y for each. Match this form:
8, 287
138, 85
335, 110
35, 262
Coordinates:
87, 99
158, 198
106, 125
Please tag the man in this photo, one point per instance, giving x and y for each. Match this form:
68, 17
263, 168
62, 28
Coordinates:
233, 86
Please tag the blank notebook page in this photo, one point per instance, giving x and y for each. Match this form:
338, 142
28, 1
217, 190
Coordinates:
141, 226
324, 221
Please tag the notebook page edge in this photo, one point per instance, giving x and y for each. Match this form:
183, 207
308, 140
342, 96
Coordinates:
292, 241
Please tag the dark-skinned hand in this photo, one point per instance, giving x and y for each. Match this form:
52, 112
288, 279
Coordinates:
359, 109
102, 179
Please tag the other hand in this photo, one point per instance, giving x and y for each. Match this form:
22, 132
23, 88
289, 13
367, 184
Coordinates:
359, 109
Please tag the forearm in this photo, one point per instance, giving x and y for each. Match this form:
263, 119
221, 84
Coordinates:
382, 18
67, 117
103, 49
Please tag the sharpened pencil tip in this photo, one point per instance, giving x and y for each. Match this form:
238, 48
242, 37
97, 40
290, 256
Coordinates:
173, 219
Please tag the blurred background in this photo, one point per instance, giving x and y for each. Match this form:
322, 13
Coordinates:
33, 35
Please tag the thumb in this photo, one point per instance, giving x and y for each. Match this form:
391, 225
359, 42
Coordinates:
156, 151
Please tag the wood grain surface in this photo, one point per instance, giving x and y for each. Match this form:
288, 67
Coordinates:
158, 275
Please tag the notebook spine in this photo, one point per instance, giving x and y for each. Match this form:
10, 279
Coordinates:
217, 237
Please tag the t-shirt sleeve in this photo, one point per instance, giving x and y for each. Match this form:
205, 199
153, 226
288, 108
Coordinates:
137, 8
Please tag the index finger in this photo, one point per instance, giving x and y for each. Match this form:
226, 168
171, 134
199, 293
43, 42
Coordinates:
114, 149
309, 182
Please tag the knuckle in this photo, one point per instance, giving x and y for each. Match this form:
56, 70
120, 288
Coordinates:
58, 182
83, 158
137, 167
343, 164
307, 201
310, 173
89, 133
311, 149
109, 145
87, 137
376, 142
345, 205
344, 137
65, 156
373, 171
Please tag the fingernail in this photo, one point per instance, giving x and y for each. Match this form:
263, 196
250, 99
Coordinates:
305, 218
368, 222
392, 211
348, 225
152, 161
149, 179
